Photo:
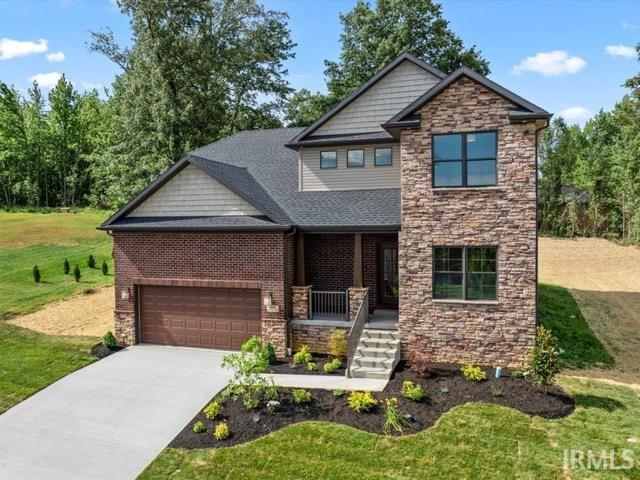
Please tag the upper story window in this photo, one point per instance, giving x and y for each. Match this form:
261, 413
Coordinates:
465, 159
355, 158
465, 273
382, 157
329, 159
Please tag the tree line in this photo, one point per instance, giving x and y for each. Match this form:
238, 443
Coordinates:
195, 72
601, 164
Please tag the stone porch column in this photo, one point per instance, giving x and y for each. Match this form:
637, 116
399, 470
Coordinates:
300, 299
356, 297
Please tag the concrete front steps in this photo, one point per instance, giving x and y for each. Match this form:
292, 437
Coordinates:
377, 354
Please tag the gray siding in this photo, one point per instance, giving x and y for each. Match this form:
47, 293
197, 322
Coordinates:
313, 178
382, 101
193, 193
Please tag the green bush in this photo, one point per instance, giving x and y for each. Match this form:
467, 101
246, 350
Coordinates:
105, 267
212, 410
338, 392
66, 268
221, 431
266, 352
362, 401
302, 356
199, 427
301, 396
247, 369
496, 392
109, 340
544, 362
472, 373
412, 391
517, 374
392, 417
332, 365
253, 345
312, 367
36, 274
338, 343
91, 263
251, 400
269, 353
76, 273
271, 392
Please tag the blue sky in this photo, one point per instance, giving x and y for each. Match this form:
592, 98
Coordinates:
569, 56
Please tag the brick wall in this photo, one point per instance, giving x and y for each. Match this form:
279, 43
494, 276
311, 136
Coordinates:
505, 216
328, 260
258, 258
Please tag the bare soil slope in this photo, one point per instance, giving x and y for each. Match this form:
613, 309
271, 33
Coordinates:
604, 278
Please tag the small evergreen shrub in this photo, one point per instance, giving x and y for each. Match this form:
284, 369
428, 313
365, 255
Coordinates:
338, 393
76, 273
472, 373
412, 391
302, 356
221, 431
253, 345
109, 340
496, 392
36, 274
362, 401
544, 362
266, 352
199, 427
312, 366
212, 410
105, 267
301, 396
269, 353
392, 417
251, 400
517, 374
338, 343
332, 365
91, 263
66, 268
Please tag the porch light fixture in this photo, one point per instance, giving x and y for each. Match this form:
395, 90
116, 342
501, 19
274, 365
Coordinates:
124, 294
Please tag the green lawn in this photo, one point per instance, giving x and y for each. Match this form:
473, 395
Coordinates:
29, 361
559, 312
46, 239
471, 441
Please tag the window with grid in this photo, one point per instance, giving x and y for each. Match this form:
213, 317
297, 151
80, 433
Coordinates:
465, 159
465, 273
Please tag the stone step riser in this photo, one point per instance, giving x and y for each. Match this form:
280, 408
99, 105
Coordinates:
373, 375
381, 334
372, 362
377, 343
378, 353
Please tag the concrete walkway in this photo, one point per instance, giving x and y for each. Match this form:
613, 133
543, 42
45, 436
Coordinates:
111, 419
327, 382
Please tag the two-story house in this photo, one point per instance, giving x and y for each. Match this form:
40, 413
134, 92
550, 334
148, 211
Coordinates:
405, 215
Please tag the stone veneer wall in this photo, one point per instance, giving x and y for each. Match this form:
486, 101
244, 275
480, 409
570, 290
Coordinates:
207, 258
315, 336
491, 334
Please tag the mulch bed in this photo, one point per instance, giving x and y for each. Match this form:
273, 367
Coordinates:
101, 351
286, 365
247, 425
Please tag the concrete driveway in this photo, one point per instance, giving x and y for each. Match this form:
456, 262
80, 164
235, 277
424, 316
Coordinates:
111, 419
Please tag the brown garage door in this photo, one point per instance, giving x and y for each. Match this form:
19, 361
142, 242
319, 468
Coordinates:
199, 317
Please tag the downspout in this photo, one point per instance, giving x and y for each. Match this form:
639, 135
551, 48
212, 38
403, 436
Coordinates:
538, 130
287, 314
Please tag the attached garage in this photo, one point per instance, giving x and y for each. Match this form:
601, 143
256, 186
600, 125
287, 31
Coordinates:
198, 317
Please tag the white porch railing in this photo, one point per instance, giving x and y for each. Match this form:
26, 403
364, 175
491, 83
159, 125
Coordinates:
329, 305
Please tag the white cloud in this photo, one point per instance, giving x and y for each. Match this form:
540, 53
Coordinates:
620, 51
575, 113
550, 64
15, 48
56, 56
628, 25
46, 80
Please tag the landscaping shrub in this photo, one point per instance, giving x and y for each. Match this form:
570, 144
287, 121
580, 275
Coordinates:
332, 365
338, 392
271, 392
253, 345
212, 410
273, 406
250, 399
544, 362
302, 356
105, 267
301, 396
472, 373
362, 401
66, 267
269, 353
76, 273
496, 392
418, 361
338, 343
392, 417
246, 378
91, 263
36, 274
109, 340
199, 427
517, 374
222, 431
266, 352
312, 366
412, 391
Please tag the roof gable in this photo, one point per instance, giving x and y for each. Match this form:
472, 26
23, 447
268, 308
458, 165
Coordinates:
386, 90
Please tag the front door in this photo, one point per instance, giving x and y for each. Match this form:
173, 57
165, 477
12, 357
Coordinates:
388, 274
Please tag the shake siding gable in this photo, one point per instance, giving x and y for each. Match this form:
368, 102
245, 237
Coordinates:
190, 193
388, 96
